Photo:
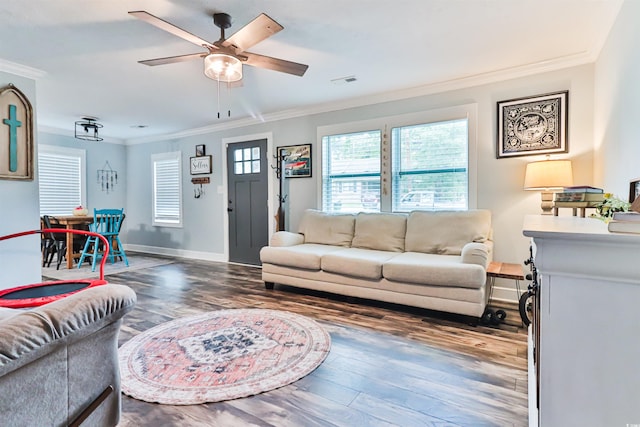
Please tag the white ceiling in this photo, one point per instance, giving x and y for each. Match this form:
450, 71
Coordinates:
87, 51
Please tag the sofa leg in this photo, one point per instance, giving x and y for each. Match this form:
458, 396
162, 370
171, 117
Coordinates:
268, 285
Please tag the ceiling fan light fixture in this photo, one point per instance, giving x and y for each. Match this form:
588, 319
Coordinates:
223, 67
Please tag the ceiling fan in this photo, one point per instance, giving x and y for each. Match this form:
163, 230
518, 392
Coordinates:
224, 57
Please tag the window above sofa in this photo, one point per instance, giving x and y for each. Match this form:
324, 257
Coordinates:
420, 161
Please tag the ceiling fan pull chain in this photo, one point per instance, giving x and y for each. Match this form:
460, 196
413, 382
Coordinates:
228, 97
218, 98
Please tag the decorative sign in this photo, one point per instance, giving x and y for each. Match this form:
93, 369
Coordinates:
533, 125
16, 135
200, 165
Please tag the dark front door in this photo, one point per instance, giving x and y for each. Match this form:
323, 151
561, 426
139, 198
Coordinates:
247, 177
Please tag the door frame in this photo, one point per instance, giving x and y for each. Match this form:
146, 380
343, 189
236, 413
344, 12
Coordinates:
225, 190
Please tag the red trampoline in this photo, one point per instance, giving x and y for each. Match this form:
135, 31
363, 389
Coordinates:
43, 293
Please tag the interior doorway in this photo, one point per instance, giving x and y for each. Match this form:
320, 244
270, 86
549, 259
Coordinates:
248, 198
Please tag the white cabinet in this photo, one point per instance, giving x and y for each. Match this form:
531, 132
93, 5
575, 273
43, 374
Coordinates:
589, 352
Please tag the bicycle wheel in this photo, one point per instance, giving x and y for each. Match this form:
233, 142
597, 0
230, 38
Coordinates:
525, 307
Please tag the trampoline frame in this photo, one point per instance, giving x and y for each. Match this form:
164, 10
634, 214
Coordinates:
37, 301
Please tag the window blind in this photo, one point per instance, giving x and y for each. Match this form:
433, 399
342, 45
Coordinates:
430, 166
60, 182
351, 172
167, 191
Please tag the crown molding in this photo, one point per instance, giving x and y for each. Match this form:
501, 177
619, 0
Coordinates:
71, 134
21, 70
462, 82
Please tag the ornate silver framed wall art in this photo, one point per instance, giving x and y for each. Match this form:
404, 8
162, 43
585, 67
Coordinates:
533, 125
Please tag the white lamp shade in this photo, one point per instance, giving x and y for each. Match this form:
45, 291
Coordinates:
548, 174
222, 67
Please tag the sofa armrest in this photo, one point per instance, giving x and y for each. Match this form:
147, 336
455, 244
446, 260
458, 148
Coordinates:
476, 253
286, 238
31, 334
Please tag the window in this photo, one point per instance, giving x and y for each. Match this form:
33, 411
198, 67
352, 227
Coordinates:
351, 172
422, 163
61, 179
246, 160
430, 166
167, 189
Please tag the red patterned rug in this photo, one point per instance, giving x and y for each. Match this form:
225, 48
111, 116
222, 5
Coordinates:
221, 355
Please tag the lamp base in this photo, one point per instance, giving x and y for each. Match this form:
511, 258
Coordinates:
547, 202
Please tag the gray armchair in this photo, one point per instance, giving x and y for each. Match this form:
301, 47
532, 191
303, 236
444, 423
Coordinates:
59, 362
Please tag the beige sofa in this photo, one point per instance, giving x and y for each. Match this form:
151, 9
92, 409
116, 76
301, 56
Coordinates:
434, 260
59, 362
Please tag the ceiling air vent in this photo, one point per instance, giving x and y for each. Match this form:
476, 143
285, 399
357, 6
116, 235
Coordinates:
343, 80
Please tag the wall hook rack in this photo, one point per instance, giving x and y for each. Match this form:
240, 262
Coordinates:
279, 158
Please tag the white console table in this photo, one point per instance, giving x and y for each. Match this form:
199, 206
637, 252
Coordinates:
589, 351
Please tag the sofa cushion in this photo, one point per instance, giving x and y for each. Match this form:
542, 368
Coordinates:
432, 269
356, 262
305, 256
286, 238
327, 229
378, 231
446, 232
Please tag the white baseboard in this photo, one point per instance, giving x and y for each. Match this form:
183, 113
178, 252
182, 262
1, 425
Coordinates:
509, 294
180, 253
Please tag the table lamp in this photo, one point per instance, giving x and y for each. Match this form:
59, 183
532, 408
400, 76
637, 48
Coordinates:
548, 175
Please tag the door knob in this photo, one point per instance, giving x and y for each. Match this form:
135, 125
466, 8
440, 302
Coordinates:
229, 209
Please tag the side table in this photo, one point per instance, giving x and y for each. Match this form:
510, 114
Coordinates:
502, 270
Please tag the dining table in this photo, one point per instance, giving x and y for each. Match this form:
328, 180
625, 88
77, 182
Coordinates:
73, 222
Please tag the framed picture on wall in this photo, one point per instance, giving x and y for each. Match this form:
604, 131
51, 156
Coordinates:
634, 190
200, 150
297, 160
200, 165
533, 125
16, 140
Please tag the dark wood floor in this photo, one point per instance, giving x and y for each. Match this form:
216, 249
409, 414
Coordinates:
388, 365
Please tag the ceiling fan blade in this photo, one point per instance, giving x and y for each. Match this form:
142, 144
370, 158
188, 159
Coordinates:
275, 64
253, 33
170, 28
173, 59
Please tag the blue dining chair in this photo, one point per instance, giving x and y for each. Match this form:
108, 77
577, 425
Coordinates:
106, 222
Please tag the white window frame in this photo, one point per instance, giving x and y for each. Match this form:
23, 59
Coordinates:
385, 124
69, 152
157, 222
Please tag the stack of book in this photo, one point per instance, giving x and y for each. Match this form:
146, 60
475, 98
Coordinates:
625, 222
579, 197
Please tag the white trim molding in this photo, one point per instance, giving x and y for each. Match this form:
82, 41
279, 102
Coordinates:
21, 70
180, 253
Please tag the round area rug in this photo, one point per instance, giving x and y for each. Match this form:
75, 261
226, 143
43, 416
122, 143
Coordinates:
221, 355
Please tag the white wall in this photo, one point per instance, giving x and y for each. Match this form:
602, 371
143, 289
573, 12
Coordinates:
97, 154
617, 104
20, 257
